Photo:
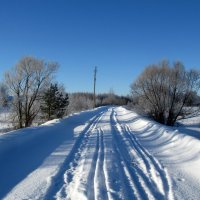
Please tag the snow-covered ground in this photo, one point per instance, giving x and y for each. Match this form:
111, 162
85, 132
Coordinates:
106, 153
191, 126
5, 122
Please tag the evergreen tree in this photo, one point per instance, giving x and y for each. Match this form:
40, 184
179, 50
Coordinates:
62, 103
54, 103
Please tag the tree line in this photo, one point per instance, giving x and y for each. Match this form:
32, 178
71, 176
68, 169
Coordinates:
32, 94
164, 92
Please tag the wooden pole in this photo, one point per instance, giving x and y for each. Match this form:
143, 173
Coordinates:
95, 74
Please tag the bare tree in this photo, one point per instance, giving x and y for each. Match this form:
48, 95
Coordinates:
163, 91
25, 82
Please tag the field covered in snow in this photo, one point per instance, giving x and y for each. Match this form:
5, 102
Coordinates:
106, 153
5, 122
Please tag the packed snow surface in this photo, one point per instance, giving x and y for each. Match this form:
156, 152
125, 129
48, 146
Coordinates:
109, 153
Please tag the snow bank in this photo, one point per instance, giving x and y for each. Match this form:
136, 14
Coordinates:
174, 147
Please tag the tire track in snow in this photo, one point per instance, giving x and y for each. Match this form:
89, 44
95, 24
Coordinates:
130, 189
65, 174
108, 163
96, 188
117, 178
83, 184
90, 185
100, 189
146, 170
161, 176
131, 178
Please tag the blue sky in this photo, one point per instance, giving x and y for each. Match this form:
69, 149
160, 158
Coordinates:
120, 37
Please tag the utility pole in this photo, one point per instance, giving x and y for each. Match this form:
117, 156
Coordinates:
94, 97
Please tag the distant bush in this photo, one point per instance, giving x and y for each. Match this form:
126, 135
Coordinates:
79, 102
82, 101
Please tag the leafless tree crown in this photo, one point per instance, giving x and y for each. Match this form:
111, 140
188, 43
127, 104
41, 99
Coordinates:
163, 91
25, 82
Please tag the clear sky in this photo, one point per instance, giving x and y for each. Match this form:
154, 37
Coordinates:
120, 37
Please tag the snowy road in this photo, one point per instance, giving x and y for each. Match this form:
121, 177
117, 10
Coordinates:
109, 163
106, 160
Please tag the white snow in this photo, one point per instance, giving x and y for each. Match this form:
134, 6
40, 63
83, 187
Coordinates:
105, 153
5, 122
